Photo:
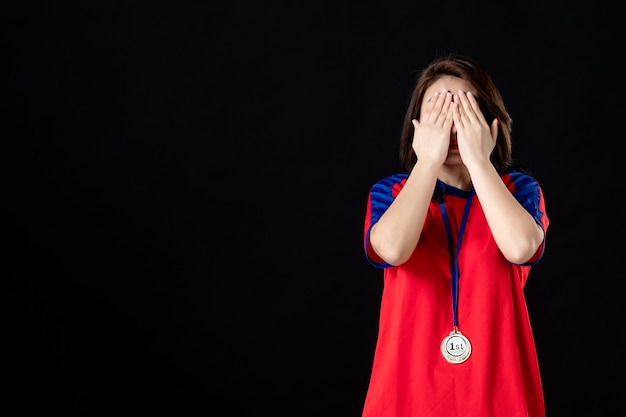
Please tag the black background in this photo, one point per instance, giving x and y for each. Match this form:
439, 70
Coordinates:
186, 184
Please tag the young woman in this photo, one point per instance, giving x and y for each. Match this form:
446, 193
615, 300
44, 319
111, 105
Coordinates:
456, 235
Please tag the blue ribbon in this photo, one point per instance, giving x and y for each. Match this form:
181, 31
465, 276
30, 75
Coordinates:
454, 254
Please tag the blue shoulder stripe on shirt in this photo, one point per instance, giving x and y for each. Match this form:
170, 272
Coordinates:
527, 193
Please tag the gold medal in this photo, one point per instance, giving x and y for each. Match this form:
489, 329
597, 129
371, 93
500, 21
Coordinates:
456, 348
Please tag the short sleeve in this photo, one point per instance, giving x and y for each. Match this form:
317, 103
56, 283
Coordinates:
529, 194
381, 195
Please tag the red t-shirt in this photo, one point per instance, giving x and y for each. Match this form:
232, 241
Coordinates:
409, 375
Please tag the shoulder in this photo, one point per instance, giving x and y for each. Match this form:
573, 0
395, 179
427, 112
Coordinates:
526, 189
384, 191
390, 182
517, 180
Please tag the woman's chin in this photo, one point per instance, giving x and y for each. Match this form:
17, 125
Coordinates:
454, 158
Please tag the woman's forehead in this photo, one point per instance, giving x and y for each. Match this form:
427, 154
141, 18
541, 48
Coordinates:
450, 83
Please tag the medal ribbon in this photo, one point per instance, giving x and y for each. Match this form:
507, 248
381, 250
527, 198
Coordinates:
454, 255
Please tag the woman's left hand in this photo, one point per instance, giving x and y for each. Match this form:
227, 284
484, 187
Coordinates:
475, 137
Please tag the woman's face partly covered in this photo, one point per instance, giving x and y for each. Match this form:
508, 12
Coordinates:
453, 85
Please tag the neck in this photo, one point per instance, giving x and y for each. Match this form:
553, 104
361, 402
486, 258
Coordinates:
458, 178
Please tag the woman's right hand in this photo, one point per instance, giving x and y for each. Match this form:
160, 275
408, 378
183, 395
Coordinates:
431, 137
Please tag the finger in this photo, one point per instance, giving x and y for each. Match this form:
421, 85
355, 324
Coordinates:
433, 98
434, 107
444, 113
475, 107
466, 110
437, 98
441, 98
460, 116
450, 114
494, 129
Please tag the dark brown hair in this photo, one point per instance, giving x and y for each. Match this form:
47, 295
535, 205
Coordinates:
487, 95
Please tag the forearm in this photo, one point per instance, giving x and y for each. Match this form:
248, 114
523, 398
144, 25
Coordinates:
396, 234
515, 231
